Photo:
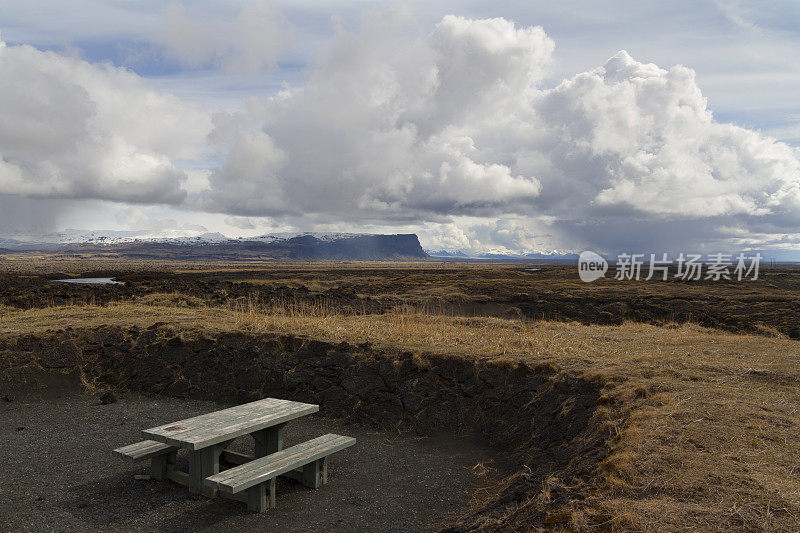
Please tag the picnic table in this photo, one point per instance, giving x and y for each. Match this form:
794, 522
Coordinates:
206, 438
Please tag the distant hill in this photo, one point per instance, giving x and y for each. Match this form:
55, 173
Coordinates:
554, 256
306, 246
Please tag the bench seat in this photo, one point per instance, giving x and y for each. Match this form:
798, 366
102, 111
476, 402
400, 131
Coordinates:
147, 449
160, 456
253, 476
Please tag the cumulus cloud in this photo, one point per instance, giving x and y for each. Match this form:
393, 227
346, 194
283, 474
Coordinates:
248, 43
452, 133
70, 129
385, 134
407, 129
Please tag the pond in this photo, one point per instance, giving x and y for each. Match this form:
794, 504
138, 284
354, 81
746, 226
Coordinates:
91, 281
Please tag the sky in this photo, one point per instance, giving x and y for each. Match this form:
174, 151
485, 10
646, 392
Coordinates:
480, 126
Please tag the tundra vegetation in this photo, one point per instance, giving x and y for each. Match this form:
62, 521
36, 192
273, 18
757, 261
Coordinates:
697, 384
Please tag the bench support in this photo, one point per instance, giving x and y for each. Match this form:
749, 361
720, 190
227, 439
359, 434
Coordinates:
257, 496
159, 465
315, 473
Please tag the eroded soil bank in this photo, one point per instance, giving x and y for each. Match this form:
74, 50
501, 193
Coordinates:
545, 420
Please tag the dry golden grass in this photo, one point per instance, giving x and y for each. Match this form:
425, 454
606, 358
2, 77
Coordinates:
705, 423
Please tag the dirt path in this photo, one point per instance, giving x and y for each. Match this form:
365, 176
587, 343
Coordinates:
59, 474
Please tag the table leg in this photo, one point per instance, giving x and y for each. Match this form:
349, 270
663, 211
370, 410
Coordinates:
268, 440
202, 464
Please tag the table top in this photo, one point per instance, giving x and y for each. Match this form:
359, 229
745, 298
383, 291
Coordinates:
220, 426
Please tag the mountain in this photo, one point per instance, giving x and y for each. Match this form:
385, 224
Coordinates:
209, 246
503, 255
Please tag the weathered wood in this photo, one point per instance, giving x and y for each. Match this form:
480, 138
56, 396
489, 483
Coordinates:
160, 463
146, 449
259, 470
202, 464
206, 434
311, 475
257, 498
235, 458
179, 477
206, 430
210, 467
201, 420
196, 471
269, 440
272, 491
182, 478
212, 422
298, 452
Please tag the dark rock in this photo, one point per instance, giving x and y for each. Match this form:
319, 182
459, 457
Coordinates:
250, 379
178, 389
175, 354
108, 397
175, 341
65, 355
363, 382
337, 358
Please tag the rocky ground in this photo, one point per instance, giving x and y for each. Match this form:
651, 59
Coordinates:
59, 475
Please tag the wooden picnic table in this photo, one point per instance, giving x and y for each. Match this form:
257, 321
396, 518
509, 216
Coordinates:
206, 436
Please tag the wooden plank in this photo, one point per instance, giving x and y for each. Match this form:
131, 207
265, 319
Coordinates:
145, 449
311, 475
238, 412
182, 478
278, 464
286, 455
196, 471
202, 464
179, 477
269, 440
210, 467
240, 426
160, 463
257, 498
228, 431
230, 412
235, 458
247, 475
220, 428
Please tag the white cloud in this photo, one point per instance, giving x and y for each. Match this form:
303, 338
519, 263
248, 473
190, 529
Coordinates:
70, 129
455, 134
397, 128
248, 43
384, 130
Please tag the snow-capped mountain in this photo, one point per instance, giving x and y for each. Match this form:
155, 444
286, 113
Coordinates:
177, 237
212, 246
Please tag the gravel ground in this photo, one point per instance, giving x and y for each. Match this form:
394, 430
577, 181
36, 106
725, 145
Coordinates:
58, 474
